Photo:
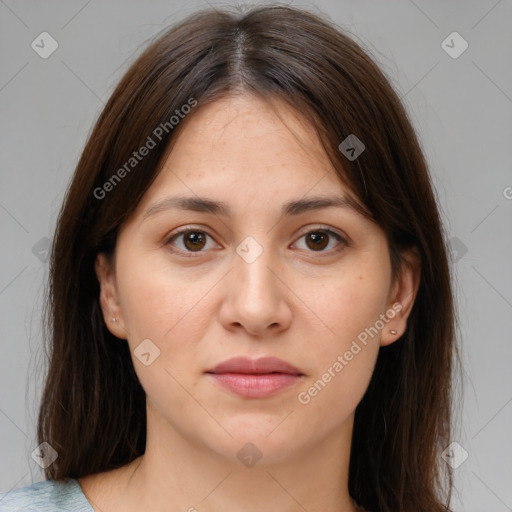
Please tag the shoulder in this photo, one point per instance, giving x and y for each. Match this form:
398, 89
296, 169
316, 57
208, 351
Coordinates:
46, 496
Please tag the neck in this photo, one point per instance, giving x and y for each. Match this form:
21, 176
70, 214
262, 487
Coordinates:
180, 474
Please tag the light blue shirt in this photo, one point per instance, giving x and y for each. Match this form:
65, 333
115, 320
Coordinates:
46, 496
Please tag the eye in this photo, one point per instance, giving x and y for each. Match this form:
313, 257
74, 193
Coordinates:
193, 240
196, 240
318, 239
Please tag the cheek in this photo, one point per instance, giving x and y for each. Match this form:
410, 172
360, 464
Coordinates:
160, 304
343, 360
347, 305
167, 305
330, 398
350, 307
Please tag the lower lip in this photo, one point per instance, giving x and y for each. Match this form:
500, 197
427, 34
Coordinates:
255, 385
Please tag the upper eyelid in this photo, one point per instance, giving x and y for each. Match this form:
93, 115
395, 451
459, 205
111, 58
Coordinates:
306, 230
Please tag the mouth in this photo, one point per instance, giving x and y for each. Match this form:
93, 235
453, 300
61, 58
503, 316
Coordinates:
255, 378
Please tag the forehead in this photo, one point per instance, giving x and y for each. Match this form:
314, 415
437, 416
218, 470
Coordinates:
251, 121
254, 161
245, 143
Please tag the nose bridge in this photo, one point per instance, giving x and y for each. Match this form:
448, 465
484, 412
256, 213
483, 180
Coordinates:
253, 266
255, 300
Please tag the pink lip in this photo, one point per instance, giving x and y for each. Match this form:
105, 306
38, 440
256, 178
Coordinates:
255, 378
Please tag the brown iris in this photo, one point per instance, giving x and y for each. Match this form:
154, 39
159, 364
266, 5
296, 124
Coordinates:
319, 240
194, 240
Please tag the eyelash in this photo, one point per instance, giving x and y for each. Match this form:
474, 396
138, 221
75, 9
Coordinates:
191, 254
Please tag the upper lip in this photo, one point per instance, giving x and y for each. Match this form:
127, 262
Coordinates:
255, 366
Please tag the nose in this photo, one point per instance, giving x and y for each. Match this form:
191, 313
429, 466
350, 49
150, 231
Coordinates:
257, 298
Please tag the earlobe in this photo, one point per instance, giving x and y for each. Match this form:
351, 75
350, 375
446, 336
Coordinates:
109, 301
402, 297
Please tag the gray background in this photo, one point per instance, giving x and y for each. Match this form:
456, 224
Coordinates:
461, 107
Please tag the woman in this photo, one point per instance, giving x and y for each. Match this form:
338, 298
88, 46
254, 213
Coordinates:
250, 304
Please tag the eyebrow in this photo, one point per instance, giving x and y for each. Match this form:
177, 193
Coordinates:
291, 208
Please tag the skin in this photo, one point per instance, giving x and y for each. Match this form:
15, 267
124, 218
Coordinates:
296, 302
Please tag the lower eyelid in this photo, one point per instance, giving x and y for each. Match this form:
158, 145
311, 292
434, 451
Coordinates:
175, 236
342, 243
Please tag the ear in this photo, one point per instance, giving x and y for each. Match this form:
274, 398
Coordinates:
109, 300
402, 296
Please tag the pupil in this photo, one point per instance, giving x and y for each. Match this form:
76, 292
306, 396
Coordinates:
319, 240
195, 239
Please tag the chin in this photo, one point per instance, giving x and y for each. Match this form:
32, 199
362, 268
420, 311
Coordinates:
261, 440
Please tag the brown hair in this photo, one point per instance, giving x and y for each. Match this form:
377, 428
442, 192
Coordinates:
93, 406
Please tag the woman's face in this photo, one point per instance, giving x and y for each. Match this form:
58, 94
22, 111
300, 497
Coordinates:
258, 278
